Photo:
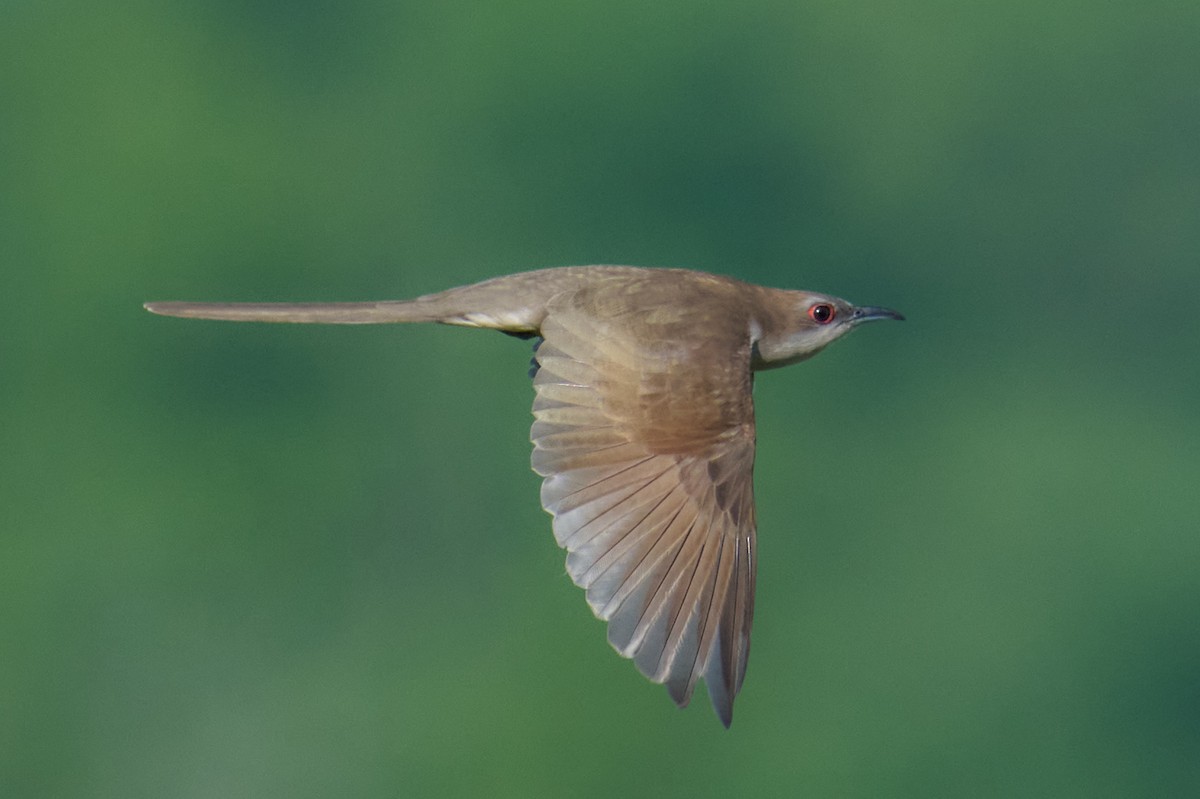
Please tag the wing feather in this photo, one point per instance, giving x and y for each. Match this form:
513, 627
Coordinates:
658, 525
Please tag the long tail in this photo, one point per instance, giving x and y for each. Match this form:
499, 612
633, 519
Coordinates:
513, 303
334, 313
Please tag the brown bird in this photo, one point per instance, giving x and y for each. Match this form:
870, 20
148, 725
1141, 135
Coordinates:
643, 435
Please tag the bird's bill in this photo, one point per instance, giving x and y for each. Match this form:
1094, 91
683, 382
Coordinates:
870, 313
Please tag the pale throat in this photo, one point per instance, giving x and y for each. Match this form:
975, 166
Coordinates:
775, 348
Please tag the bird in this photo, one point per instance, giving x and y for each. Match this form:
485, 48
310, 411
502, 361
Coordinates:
643, 435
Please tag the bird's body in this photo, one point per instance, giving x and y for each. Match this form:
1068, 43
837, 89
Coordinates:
643, 433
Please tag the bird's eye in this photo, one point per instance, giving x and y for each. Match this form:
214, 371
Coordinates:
822, 313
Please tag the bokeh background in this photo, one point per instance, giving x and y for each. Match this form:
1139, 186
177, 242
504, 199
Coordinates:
241, 560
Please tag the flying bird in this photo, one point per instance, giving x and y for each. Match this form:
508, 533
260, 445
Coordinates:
643, 434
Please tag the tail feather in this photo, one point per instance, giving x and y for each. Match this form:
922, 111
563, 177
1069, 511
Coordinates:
333, 313
513, 303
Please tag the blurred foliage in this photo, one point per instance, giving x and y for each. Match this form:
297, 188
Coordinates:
300, 561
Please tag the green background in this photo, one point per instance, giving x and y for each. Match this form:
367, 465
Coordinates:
306, 561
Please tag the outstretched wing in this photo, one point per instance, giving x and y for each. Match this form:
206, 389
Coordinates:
644, 434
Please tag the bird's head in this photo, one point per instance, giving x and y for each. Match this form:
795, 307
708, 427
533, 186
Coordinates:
805, 322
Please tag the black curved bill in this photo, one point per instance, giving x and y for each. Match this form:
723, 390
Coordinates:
870, 313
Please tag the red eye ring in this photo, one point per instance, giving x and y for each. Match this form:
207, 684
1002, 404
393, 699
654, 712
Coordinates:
822, 313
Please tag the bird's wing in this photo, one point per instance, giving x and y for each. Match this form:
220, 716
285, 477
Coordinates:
644, 434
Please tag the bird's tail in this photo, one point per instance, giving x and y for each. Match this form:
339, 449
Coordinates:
495, 304
334, 313
513, 303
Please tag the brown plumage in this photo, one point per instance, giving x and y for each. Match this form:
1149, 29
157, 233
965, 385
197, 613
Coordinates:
644, 434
